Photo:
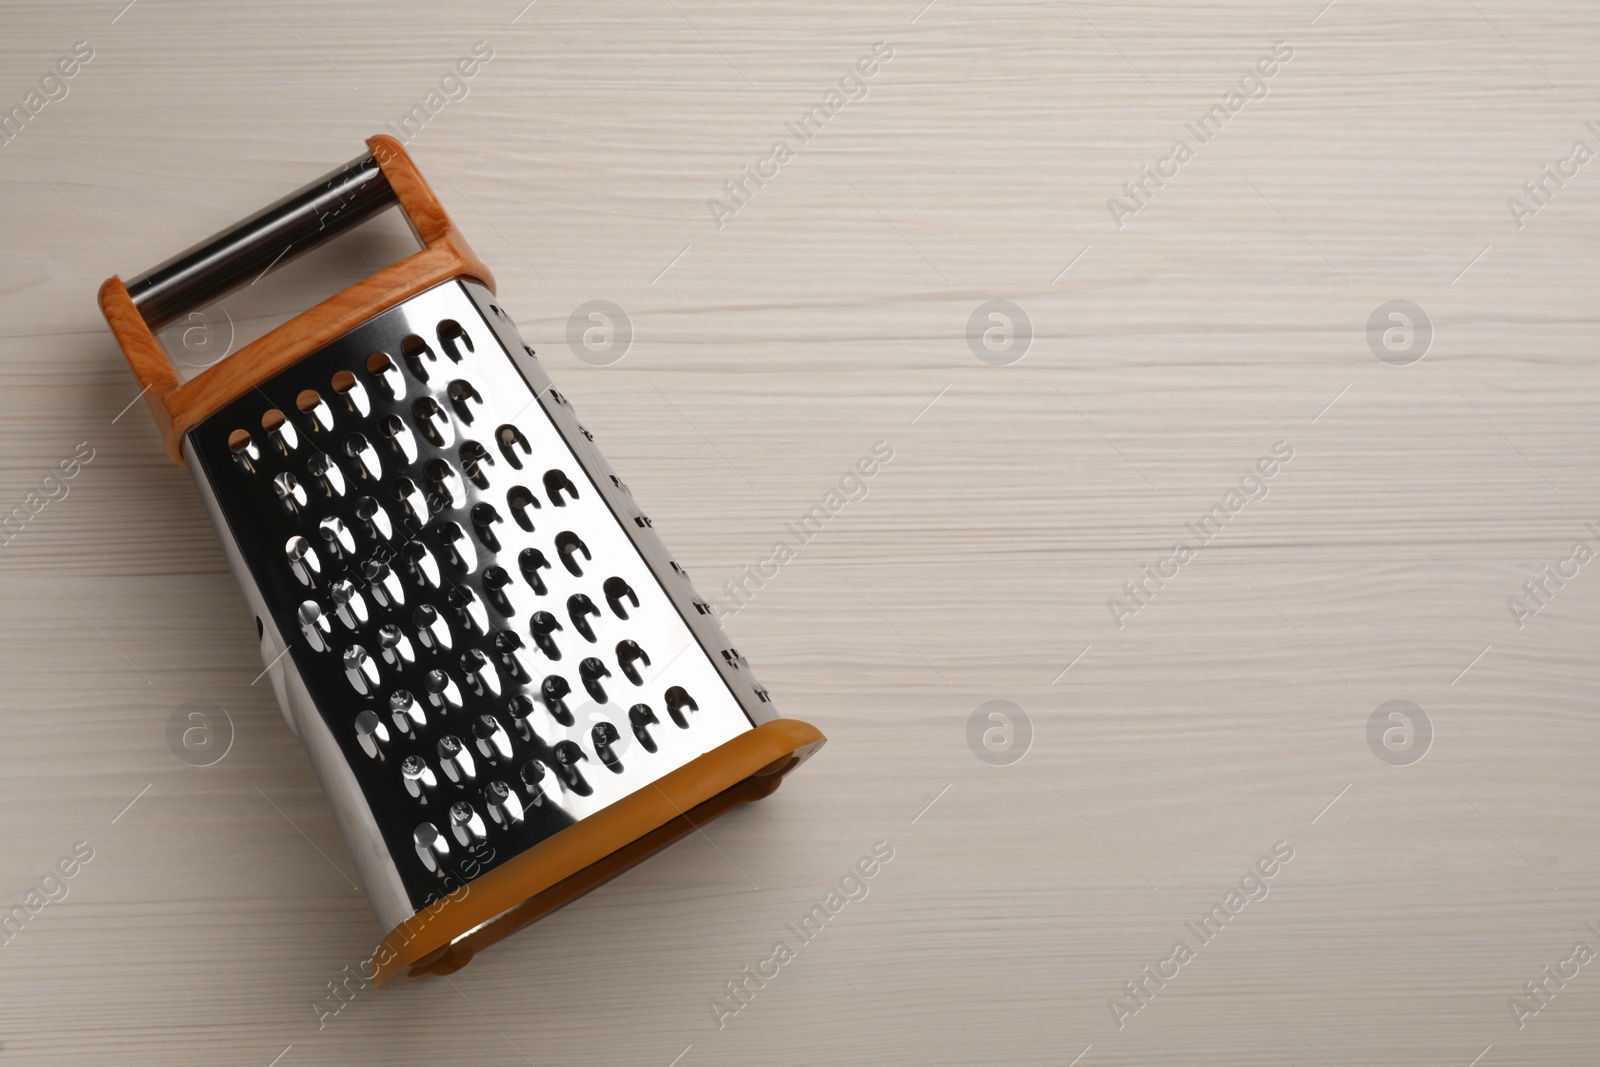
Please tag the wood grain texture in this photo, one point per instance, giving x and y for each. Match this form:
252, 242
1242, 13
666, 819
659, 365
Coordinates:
828, 312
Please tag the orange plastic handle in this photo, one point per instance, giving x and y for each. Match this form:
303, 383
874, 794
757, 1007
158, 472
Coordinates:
177, 409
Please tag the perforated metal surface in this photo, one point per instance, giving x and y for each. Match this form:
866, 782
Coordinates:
484, 622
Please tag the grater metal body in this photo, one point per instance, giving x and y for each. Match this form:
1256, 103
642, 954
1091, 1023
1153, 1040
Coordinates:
509, 690
466, 593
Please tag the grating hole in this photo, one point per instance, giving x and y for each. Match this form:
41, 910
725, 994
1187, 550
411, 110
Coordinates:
455, 759
505, 806
290, 491
245, 452
420, 562
280, 431
532, 774
520, 500
462, 396
642, 718
442, 690
484, 680
444, 483
540, 628
510, 439
495, 580
399, 436
456, 551
431, 420
568, 546
414, 771
417, 355
617, 591
509, 646
382, 582
349, 606
590, 671
579, 608
314, 624
410, 498
327, 473
466, 824
370, 730
679, 703
473, 459
369, 511
310, 403
452, 338
469, 611
386, 375
555, 482
337, 536
603, 736
432, 630
303, 560
359, 448
553, 691
568, 756
531, 561
629, 655
484, 516
354, 393
432, 846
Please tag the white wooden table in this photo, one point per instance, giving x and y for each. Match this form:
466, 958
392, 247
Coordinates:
830, 310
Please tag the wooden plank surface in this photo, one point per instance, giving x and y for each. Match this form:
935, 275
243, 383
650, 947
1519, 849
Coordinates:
830, 311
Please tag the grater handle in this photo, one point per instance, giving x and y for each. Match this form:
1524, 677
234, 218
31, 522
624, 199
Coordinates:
350, 194
299, 222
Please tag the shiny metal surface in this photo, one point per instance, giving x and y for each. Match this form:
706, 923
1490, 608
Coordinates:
486, 641
282, 230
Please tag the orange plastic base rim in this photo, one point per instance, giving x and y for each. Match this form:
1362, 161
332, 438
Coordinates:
443, 937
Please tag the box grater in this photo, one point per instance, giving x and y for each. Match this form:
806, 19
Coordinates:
508, 689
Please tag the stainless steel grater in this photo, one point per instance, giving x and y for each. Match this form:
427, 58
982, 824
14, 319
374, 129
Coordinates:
508, 689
